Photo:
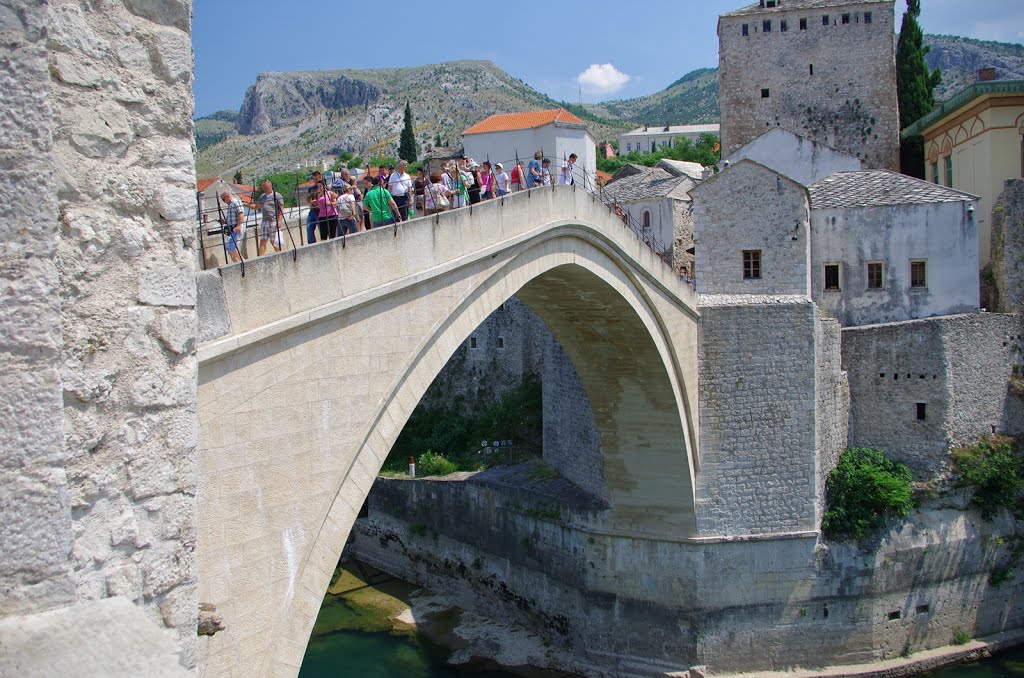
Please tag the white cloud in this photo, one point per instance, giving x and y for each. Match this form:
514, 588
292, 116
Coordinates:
602, 79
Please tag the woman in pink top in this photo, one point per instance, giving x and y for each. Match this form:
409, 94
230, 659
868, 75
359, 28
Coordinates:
486, 182
328, 223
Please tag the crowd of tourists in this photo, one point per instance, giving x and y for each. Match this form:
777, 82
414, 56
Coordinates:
343, 205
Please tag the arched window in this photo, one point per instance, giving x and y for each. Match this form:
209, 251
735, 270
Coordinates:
647, 219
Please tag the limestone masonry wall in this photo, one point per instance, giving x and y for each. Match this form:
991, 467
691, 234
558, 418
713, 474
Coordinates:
833, 81
623, 605
98, 313
1008, 246
35, 515
758, 394
750, 207
958, 367
833, 404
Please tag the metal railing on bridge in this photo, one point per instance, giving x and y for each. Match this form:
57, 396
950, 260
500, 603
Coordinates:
217, 241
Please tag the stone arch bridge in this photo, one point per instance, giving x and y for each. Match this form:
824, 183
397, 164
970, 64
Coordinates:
309, 369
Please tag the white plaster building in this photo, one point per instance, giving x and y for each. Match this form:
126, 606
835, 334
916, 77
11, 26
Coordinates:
557, 132
652, 137
801, 159
887, 247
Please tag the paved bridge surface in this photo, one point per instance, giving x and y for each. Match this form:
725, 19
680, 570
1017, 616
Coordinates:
309, 368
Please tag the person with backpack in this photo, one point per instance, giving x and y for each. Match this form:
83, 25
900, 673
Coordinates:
380, 205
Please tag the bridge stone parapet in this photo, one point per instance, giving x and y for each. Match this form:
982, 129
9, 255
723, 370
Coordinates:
318, 359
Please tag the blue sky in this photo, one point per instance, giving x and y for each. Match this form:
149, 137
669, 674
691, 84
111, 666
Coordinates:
620, 49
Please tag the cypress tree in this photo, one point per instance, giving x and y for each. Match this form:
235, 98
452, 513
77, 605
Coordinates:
915, 86
407, 142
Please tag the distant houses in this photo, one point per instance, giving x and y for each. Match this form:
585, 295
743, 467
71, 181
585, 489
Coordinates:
557, 133
650, 138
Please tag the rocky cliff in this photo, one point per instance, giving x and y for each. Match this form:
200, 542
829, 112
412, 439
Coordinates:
277, 99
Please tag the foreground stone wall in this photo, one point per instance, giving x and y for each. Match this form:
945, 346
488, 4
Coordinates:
625, 605
1008, 247
99, 361
958, 367
833, 407
35, 515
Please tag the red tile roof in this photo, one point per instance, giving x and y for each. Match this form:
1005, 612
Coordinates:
204, 184
505, 122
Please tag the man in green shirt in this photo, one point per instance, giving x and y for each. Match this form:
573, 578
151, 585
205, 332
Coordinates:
379, 203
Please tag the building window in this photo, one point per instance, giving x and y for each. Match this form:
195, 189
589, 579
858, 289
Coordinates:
803, 24
647, 219
472, 342
867, 17
629, 147
765, 93
876, 275
783, 26
824, 20
812, 69
769, 3
935, 171
831, 277
751, 264
746, 29
919, 273
922, 411
949, 170
846, 18
501, 342
766, 26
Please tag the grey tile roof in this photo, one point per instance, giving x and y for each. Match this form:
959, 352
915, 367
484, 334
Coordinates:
874, 188
647, 185
789, 5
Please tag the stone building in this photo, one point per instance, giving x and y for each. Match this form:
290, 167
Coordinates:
801, 159
1008, 247
658, 200
825, 69
975, 142
868, 247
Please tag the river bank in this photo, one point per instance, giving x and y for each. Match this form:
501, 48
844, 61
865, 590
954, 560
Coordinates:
376, 626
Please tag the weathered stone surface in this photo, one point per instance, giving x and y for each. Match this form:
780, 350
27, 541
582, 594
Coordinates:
168, 286
209, 621
109, 637
100, 131
1008, 246
177, 13
173, 51
212, 313
178, 331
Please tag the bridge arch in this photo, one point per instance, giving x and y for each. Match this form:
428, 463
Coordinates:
629, 331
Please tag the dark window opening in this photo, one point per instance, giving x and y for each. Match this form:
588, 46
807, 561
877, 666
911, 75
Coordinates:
824, 20
918, 274
894, 615
647, 219
472, 342
923, 609
846, 18
832, 277
812, 69
875, 276
881, 375
935, 171
769, 3
766, 26
949, 171
765, 93
751, 264
501, 342
746, 29
922, 411
867, 17
783, 26
803, 24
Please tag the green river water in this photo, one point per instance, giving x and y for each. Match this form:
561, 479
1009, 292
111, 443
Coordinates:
355, 636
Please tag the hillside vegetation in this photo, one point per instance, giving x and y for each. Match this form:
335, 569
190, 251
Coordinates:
291, 120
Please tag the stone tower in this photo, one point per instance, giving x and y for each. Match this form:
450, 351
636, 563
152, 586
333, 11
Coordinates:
825, 69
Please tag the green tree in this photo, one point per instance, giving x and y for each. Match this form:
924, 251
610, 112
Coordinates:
437, 139
238, 177
915, 87
862, 490
407, 142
